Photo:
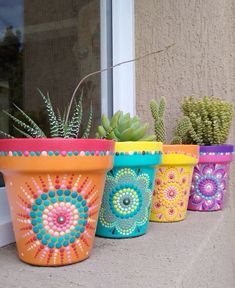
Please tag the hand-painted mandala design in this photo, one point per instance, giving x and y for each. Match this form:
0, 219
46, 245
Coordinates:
58, 218
171, 194
126, 201
208, 187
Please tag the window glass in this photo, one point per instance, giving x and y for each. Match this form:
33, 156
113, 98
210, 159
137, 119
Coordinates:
49, 45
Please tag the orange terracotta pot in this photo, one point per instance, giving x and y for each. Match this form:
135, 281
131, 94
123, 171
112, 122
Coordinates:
173, 182
55, 188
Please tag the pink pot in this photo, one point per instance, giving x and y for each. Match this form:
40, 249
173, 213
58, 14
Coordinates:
210, 178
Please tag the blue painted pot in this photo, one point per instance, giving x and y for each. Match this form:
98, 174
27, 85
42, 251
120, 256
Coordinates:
127, 198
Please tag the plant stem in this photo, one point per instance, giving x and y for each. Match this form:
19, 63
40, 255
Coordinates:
106, 69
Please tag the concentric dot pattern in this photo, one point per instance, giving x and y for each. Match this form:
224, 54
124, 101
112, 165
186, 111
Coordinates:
125, 200
207, 186
59, 217
171, 194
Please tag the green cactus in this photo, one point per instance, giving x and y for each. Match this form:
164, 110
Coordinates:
182, 128
122, 127
58, 125
158, 112
211, 119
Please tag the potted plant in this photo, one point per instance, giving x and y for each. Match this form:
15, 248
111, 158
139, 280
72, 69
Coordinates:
127, 195
173, 179
211, 120
54, 185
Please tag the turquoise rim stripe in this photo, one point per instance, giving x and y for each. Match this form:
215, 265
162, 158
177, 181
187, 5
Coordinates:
74, 153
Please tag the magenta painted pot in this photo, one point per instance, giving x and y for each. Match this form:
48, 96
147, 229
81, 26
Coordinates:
210, 178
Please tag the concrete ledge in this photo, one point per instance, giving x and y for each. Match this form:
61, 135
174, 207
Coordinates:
195, 253
6, 231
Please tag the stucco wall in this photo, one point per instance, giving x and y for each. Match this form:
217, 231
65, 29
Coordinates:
202, 62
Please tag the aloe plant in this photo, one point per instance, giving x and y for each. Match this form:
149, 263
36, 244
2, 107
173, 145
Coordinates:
122, 127
59, 127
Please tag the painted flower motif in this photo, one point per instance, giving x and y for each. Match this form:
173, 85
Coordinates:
59, 220
126, 201
171, 194
208, 187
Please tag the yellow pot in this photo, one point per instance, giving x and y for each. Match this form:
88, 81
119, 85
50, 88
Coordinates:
173, 181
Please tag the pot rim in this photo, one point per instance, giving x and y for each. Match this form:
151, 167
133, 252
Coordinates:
137, 146
53, 144
188, 149
224, 148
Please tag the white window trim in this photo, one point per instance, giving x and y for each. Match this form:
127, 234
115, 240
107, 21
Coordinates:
122, 87
106, 57
123, 50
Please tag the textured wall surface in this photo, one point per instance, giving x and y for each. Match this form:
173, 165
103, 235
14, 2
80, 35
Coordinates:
202, 62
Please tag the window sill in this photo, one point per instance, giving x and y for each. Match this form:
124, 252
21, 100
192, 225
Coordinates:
6, 231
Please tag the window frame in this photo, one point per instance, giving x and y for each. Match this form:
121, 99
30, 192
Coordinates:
117, 85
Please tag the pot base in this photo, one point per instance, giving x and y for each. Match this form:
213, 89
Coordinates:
52, 265
121, 236
212, 210
167, 221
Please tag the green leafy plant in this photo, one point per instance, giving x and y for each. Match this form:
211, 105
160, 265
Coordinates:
122, 127
158, 112
210, 118
62, 127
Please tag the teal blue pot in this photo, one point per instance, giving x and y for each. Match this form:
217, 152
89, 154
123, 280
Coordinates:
127, 198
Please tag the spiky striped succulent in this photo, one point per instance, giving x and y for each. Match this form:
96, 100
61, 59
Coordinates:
122, 127
211, 119
61, 127
158, 112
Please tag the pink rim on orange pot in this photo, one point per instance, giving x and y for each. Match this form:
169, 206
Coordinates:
55, 188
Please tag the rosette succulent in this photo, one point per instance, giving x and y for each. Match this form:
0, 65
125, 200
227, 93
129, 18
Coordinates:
122, 127
211, 119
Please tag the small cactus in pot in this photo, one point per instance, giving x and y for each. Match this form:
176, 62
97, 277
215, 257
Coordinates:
54, 185
127, 198
211, 120
174, 175
182, 128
